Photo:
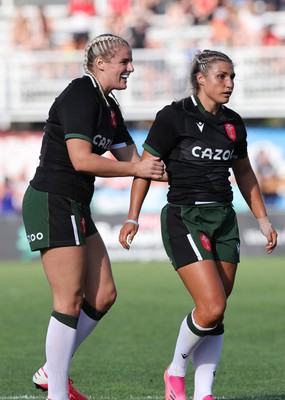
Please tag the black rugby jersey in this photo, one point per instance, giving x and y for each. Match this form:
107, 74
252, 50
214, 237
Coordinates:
78, 112
197, 148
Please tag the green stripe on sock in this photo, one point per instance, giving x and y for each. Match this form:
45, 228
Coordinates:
218, 330
65, 319
91, 311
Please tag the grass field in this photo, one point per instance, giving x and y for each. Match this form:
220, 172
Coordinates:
126, 356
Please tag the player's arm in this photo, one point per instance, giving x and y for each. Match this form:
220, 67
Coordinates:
83, 160
130, 153
139, 191
250, 190
126, 153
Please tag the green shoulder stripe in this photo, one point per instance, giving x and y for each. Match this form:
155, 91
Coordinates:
151, 150
77, 136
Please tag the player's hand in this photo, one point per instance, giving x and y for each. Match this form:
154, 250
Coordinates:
269, 232
151, 168
127, 233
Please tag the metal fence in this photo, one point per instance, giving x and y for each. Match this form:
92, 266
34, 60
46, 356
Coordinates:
30, 81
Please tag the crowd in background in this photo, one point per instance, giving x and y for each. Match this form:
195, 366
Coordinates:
229, 22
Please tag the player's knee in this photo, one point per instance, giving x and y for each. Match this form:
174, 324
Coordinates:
105, 299
69, 305
211, 313
216, 312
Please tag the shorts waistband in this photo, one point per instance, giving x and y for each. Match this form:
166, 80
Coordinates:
201, 204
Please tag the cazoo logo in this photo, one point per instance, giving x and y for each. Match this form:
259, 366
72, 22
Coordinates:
102, 141
212, 154
35, 236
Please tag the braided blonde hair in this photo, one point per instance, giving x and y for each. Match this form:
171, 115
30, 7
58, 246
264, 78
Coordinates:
202, 62
105, 46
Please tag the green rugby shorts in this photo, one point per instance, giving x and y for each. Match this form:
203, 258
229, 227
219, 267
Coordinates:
200, 232
52, 220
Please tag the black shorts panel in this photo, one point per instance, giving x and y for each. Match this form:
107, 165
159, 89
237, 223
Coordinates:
53, 220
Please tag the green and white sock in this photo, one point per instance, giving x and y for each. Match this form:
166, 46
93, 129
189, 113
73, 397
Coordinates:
60, 340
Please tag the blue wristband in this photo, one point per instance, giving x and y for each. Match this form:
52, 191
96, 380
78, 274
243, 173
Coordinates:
133, 222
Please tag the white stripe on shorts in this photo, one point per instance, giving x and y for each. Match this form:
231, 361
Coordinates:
194, 247
75, 231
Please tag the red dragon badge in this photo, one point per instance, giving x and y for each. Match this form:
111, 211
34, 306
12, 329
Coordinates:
206, 242
230, 129
113, 119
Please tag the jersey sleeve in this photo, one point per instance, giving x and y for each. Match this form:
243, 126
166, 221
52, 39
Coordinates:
241, 146
78, 111
161, 137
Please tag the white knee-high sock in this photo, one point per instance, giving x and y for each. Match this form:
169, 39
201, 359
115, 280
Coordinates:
188, 339
60, 341
206, 358
84, 328
87, 322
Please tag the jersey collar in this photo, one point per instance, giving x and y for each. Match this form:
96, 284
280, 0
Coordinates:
92, 79
197, 103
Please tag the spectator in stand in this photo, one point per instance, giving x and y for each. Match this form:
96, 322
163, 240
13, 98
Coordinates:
202, 10
7, 198
158, 6
268, 178
32, 31
269, 37
40, 30
116, 24
250, 24
137, 34
220, 29
275, 5
81, 13
175, 15
225, 24
20, 30
120, 7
